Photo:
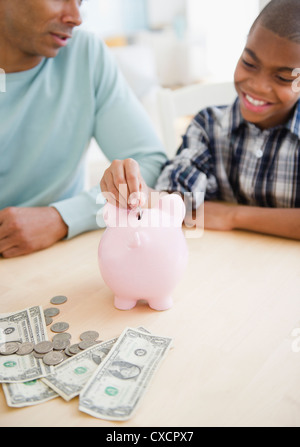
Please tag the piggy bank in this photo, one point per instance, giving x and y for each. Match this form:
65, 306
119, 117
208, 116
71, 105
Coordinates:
144, 257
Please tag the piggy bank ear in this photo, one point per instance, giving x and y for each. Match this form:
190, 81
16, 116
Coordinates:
114, 216
109, 214
174, 206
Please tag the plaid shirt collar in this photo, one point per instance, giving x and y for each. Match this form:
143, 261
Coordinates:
233, 119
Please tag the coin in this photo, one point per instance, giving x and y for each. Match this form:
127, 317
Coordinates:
86, 344
62, 336
43, 347
89, 335
68, 353
48, 320
9, 348
58, 299
74, 349
25, 348
53, 358
59, 327
38, 356
97, 359
64, 355
51, 312
60, 344
139, 213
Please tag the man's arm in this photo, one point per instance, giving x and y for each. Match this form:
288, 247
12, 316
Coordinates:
25, 230
126, 136
283, 222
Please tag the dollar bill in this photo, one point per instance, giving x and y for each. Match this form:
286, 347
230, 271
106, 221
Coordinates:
28, 393
116, 387
27, 325
69, 377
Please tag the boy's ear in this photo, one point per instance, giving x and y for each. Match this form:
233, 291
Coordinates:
173, 205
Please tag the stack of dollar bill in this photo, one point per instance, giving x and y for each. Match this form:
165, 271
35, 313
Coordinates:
110, 377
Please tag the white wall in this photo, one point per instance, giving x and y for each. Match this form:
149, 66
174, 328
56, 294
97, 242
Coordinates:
224, 25
162, 12
263, 3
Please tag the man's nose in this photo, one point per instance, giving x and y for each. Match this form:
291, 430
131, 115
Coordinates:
72, 13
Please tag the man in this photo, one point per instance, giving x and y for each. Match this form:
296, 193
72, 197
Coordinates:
62, 89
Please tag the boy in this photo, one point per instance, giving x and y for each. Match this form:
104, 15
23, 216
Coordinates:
249, 153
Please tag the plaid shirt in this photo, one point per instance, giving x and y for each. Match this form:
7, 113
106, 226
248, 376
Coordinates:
230, 159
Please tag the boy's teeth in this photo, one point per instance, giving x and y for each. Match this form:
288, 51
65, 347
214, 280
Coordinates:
255, 102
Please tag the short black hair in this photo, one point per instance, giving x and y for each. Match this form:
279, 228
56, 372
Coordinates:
282, 17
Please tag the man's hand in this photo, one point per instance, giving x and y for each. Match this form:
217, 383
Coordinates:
25, 230
122, 184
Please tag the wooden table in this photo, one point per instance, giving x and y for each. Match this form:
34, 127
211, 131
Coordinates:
236, 356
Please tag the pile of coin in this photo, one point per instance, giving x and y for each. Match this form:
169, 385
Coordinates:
60, 348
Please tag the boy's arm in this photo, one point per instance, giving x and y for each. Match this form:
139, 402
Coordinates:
284, 222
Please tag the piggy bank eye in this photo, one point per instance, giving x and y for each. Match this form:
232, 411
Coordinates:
105, 215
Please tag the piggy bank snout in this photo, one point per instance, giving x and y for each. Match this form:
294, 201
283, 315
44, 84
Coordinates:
138, 239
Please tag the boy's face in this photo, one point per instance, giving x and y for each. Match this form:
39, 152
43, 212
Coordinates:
263, 78
31, 29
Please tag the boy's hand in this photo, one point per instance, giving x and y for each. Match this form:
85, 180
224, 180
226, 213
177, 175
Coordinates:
25, 230
122, 184
219, 216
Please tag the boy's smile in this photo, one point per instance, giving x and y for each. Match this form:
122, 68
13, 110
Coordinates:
263, 78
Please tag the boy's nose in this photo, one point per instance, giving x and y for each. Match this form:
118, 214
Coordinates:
260, 85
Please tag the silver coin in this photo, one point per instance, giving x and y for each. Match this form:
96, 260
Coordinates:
25, 348
74, 349
97, 359
9, 348
66, 357
43, 347
60, 344
37, 355
86, 344
89, 335
48, 320
59, 327
68, 353
53, 358
58, 299
51, 312
62, 336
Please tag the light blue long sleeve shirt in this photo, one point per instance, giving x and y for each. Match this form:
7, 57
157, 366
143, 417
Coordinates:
48, 116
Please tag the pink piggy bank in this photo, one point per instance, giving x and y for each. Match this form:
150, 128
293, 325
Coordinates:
144, 259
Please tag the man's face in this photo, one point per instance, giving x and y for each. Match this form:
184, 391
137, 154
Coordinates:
33, 29
264, 80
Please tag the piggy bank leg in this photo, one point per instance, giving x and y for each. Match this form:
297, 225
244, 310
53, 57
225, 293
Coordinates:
124, 303
161, 303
